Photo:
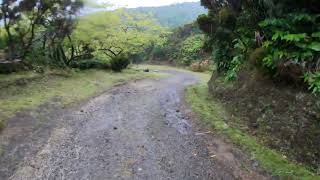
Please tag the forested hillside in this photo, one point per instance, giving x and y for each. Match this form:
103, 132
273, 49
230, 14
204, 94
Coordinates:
174, 15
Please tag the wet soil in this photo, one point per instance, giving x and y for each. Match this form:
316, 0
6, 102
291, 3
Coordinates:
142, 130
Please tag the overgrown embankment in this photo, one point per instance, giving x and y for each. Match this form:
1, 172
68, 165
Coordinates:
215, 113
283, 118
265, 62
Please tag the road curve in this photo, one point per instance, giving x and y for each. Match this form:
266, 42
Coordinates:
137, 131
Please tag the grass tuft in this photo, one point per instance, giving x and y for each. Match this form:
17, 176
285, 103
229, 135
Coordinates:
1, 125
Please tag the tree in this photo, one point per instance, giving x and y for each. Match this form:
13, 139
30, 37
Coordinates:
28, 21
118, 32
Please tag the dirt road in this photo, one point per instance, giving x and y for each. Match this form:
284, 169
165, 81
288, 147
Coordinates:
140, 131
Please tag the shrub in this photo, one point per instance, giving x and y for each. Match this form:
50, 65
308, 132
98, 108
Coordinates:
89, 64
234, 68
222, 56
313, 80
227, 17
160, 53
191, 49
119, 63
257, 56
205, 22
200, 66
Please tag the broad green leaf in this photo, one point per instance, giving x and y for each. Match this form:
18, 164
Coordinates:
294, 37
301, 45
315, 46
278, 35
316, 35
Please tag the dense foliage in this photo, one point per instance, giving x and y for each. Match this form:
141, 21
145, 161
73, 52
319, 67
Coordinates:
119, 63
37, 33
270, 39
283, 36
36, 24
183, 46
116, 33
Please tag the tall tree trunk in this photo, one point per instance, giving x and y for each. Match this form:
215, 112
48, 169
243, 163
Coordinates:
10, 38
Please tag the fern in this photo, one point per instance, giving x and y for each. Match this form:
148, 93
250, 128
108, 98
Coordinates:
278, 35
315, 46
274, 22
313, 79
294, 37
301, 17
316, 35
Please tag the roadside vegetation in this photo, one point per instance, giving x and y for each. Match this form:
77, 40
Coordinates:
269, 52
263, 58
64, 87
266, 60
215, 115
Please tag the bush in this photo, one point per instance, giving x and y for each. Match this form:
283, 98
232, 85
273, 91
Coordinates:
257, 56
90, 64
189, 50
200, 66
205, 22
222, 57
160, 53
227, 17
313, 80
119, 63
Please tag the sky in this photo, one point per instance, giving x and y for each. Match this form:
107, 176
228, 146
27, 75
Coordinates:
142, 3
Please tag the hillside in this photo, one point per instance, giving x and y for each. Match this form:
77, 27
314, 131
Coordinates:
174, 15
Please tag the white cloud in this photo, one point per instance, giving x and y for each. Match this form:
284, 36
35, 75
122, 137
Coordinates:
144, 3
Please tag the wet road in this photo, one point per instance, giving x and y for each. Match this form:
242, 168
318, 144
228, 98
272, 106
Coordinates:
137, 131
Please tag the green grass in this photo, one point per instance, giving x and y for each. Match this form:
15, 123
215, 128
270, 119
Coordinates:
204, 77
15, 76
2, 126
213, 113
69, 88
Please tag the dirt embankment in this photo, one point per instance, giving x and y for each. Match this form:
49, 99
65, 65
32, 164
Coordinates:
283, 118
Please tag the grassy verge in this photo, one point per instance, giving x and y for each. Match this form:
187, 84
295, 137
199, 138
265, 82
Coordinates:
68, 87
212, 113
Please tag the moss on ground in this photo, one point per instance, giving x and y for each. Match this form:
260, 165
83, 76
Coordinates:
69, 88
213, 113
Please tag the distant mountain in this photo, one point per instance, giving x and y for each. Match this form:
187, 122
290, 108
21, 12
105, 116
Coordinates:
174, 15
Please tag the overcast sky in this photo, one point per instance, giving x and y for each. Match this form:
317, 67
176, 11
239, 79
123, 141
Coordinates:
144, 3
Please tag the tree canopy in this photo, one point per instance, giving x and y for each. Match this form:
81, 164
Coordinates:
119, 31
40, 32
